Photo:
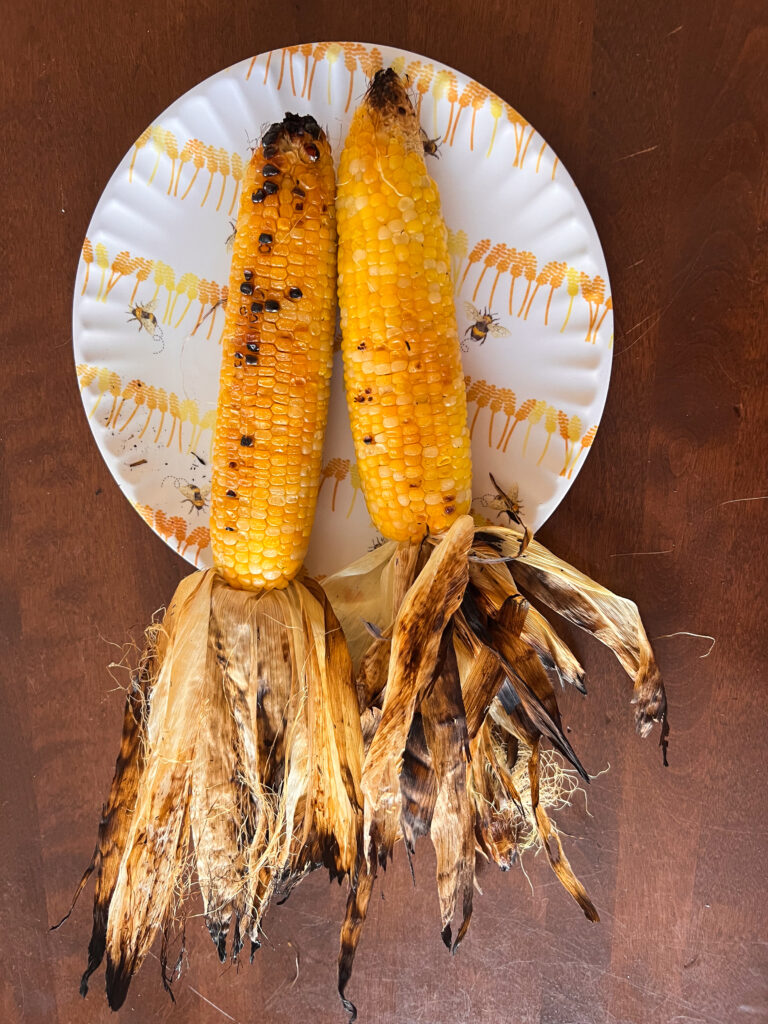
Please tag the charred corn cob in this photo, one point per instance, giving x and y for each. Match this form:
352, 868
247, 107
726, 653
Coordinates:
276, 360
402, 365
243, 784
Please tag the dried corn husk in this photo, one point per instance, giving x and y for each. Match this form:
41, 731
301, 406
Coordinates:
240, 767
462, 667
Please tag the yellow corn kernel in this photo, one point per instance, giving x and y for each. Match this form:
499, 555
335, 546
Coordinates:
277, 353
402, 363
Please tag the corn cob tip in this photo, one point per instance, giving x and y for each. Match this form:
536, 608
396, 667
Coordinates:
388, 98
291, 134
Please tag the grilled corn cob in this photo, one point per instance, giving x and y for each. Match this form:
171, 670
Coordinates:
242, 748
277, 352
459, 664
402, 365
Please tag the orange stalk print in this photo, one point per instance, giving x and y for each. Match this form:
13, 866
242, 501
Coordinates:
598, 325
586, 442
475, 256
266, 66
522, 413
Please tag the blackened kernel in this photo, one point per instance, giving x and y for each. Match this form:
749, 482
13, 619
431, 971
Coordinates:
265, 238
251, 360
247, 274
298, 191
312, 152
361, 346
295, 293
269, 170
271, 306
408, 345
238, 355
258, 195
298, 207
231, 494
367, 391
449, 510
269, 188
246, 288
359, 398
270, 150
252, 346
367, 439
229, 529
233, 465
246, 440
256, 307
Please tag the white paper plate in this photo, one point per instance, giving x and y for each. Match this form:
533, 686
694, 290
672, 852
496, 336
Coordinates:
523, 246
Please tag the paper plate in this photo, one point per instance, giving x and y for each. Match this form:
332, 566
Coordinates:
154, 265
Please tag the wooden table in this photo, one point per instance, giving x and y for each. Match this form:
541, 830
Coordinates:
658, 110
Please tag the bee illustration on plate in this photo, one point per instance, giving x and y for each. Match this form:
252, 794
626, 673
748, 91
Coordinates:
144, 315
431, 146
503, 503
190, 492
483, 324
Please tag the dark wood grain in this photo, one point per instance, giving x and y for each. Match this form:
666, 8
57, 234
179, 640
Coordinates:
660, 112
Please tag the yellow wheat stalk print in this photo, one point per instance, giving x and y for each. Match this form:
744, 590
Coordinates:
550, 425
354, 479
158, 144
198, 151
572, 435
534, 417
458, 245
352, 54
222, 165
572, 276
497, 108
140, 143
529, 272
237, 167
102, 262
106, 381
172, 151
